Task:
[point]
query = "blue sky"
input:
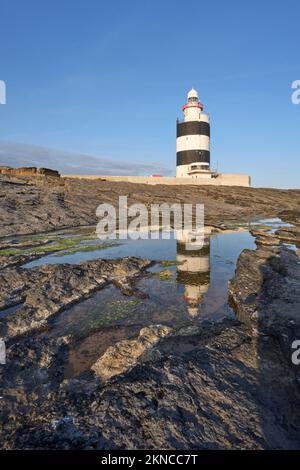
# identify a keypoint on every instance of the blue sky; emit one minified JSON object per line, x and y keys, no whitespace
{"x":89,"y":80}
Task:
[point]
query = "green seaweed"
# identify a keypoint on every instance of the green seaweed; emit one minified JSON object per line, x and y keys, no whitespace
{"x":82,"y":249}
{"x":165,"y":274}
{"x":56,"y":244}
{"x":115,"y":311}
{"x":36,"y":238}
{"x":167,"y":263}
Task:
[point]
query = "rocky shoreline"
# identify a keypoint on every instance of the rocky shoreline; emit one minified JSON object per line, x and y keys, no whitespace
{"x":42,"y":203}
{"x":216,"y":385}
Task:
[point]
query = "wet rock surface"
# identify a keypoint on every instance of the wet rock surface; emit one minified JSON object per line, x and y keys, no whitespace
{"x":219,"y":394}
{"x":219,"y":385}
{"x":291,"y":234}
{"x":47,"y":290}
{"x":212,"y":385}
{"x":125,"y":354}
{"x":266,"y":293}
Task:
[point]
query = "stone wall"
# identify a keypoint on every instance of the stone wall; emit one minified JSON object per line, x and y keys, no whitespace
{"x":221,"y":179}
{"x":28,"y":171}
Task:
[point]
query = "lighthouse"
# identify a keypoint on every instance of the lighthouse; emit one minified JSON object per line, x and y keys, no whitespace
{"x":193,"y":140}
{"x":193,"y":271}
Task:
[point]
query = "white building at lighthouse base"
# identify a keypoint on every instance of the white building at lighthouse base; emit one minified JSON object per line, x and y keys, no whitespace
{"x":216,"y":179}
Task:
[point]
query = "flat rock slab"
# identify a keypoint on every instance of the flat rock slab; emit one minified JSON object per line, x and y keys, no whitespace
{"x":49,"y":289}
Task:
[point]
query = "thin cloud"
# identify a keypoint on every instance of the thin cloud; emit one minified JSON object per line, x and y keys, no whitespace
{"x":20,"y":155}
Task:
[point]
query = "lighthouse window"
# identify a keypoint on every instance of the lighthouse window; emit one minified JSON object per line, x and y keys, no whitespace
{"x":193,"y":100}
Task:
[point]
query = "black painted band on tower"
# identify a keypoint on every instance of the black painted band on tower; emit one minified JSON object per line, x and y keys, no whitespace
{"x":193,"y":128}
{"x":192,"y":156}
{"x":204,"y":251}
{"x":193,"y":278}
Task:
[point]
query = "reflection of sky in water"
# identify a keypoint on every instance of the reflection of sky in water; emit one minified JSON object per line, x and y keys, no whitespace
{"x":197,"y":286}
{"x":150,"y":249}
{"x":272,"y":224}
{"x":205,"y":272}
{"x":194,"y":290}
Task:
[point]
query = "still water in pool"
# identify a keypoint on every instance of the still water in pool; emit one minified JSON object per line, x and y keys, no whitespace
{"x":184,"y":287}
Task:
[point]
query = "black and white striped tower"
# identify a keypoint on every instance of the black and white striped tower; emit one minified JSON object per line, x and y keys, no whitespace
{"x":193,"y":271}
{"x":193,"y":140}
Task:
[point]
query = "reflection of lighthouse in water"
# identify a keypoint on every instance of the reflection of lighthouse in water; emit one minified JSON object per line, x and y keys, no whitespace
{"x":193,"y":271}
